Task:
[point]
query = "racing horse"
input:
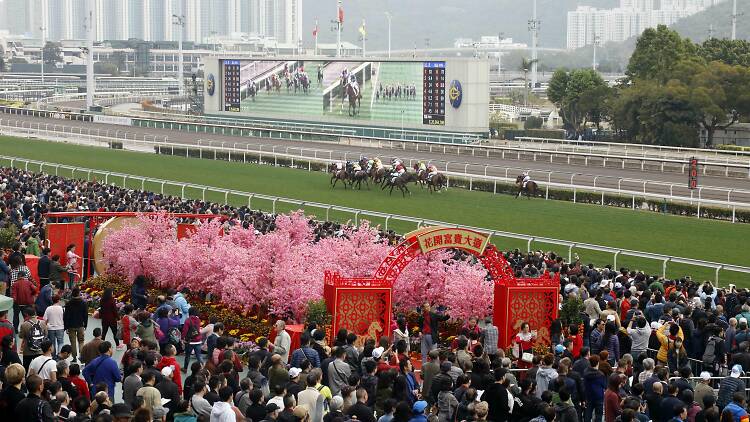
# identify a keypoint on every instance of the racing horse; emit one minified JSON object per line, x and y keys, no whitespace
{"x":252,"y":90}
{"x":421,"y":175}
{"x":399,"y":182}
{"x":304,"y":83}
{"x":530,"y":188}
{"x":377,"y":174}
{"x":357,"y":177}
{"x":273,"y":83}
{"x":437,"y":182}
{"x":355,"y":99}
{"x":337,"y":174}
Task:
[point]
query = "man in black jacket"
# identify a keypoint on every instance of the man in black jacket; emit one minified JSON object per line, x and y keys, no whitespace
{"x":169,"y":390}
{"x":428,"y":325}
{"x":75,"y":319}
{"x":498,"y":398}
{"x":43,"y":267}
{"x":360,"y":409}
{"x":33,"y":408}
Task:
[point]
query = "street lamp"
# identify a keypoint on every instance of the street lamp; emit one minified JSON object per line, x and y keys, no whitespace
{"x":180,"y":22}
{"x":389,"y":17}
{"x":402,"y":125}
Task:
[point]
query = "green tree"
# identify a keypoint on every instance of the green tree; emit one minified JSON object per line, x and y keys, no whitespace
{"x":656,"y":53}
{"x":52,"y":53}
{"x":720,"y":94}
{"x":580,"y":95}
{"x":525,"y":67}
{"x":731,"y":52}
{"x":533,"y":122}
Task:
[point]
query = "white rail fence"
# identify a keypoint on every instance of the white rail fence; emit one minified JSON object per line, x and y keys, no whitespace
{"x":477,"y":169}
{"x":359,"y":214}
{"x":145,"y":145}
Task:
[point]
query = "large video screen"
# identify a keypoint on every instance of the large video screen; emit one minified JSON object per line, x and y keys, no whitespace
{"x":397,"y":93}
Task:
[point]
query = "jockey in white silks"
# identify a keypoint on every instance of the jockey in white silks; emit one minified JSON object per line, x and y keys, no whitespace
{"x":377,"y":163}
{"x":356,"y":166}
{"x":432,"y":171}
{"x":355,"y":85}
{"x":398,"y":170}
{"x":526,"y":178}
{"x":339,"y":166}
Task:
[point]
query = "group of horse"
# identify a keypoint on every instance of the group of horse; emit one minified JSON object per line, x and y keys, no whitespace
{"x":384,"y":177}
{"x":388,"y":178}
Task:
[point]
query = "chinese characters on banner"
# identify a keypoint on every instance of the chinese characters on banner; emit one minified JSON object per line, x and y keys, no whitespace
{"x":431,"y":239}
{"x":433,"y":93}
{"x":232,"y":85}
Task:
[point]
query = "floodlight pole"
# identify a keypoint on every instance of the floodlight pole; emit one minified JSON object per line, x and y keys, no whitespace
{"x":180,"y":22}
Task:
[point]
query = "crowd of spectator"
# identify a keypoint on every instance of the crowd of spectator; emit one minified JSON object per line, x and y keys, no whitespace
{"x":637,"y":347}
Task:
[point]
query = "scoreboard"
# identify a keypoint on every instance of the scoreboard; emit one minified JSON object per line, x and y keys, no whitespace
{"x":232,"y":85}
{"x":433,"y":93}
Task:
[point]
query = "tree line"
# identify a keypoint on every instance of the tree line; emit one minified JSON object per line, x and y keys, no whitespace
{"x":673,"y":88}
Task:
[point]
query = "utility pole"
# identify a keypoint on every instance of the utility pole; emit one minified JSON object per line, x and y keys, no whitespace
{"x":90,"y":83}
{"x":711,"y":31}
{"x":500,"y":37}
{"x":180,"y":22}
{"x":44,"y":42}
{"x":534,"y":28}
{"x":363,"y":32}
{"x":389,"y":16}
{"x":734,"y":20}
{"x":594,"y":64}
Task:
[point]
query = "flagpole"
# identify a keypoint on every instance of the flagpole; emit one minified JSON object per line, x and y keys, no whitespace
{"x":338,"y":29}
{"x":316,"y":37}
{"x":364,"y":38}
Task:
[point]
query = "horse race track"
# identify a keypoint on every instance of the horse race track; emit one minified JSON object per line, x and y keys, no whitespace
{"x":637,"y":230}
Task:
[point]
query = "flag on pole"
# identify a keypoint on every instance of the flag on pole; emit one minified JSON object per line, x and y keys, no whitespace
{"x":341,"y":13}
{"x":362,"y":29}
{"x":315,"y":30}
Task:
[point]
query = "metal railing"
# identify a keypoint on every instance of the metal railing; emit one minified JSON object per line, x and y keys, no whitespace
{"x":359,"y":214}
{"x":460,"y":146}
{"x":685,"y":152}
{"x":636,"y":197}
{"x":663,"y":189}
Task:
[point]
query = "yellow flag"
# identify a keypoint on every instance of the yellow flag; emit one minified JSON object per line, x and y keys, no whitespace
{"x":362,"y":30}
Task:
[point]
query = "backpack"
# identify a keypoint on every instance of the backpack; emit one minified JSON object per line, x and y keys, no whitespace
{"x":326,"y":400}
{"x":709,"y":355}
{"x":174,"y":336}
{"x":34,"y":337}
{"x":192,"y":332}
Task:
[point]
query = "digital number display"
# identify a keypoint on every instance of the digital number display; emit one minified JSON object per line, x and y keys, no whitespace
{"x":433,"y":93}
{"x":693,"y":174}
{"x":232,"y":85}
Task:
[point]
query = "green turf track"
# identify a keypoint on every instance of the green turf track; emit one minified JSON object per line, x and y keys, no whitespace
{"x":637,"y":230}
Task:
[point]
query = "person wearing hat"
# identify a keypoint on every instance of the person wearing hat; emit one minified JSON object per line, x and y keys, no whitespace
{"x":418,"y":410}
{"x":379,"y":355}
{"x":6,"y":327}
{"x":730,"y":385}
{"x":293,"y":387}
{"x":168,"y":389}
{"x":272,"y":412}
{"x":703,"y":389}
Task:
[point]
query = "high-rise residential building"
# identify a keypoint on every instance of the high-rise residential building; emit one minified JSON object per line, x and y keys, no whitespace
{"x":152,"y":20}
{"x":588,"y":24}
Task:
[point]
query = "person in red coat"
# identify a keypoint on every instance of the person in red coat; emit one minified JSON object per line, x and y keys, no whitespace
{"x":169,"y":360}
{"x":24,"y":292}
{"x":109,"y":315}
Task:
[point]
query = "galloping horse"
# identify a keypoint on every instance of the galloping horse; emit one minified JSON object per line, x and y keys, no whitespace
{"x":399,"y":182}
{"x":437,"y":182}
{"x":529,"y":189}
{"x":252,"y":90}
{"x":359,"y":176}
{"x":304,"y":82}
{"x":355,"y":98}
{"x":337,"y":174}
{"x":274,"y":83}
{"x":421,"y":175}
{"x":377,"y":174}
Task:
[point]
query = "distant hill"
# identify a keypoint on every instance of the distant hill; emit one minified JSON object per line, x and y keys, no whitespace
{"x":442,"y":21}
{"x":696,"y":27}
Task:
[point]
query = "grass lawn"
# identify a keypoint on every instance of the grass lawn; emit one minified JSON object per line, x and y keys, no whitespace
{"x":637,"y":230}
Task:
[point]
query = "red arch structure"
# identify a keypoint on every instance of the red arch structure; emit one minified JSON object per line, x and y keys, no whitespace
{"x":363,"y":305}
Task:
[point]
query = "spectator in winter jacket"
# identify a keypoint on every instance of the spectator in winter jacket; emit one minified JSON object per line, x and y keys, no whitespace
{"x":44,"y":299}
{"x":170,"y":360}
{"x":182,"y":304}
{"x":138,"y":293}
{"x":545,"y":374}
{"x":564,"y":410}
{"x":729,"y":386}
{"x":191,"y":333}
{"x":594,"y":384}
{"x":56,"y":270}
{"x":30,"y":325}
{"x":34,"y":407}
{"x":667,"y":334}
{"x":24,"y":292}
{"x":165,"y":323}
{"x":75,"y":319}
{"x":103,"y":369}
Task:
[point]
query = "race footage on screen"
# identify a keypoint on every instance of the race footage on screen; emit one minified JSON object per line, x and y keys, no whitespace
{"x":349,"y":91}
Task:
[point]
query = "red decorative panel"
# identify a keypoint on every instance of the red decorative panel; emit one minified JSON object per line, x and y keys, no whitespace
{"x":61,"y":235}
{"x":185,"y":229}
{"x":366,"y":311}
{"x":536,"y":304}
